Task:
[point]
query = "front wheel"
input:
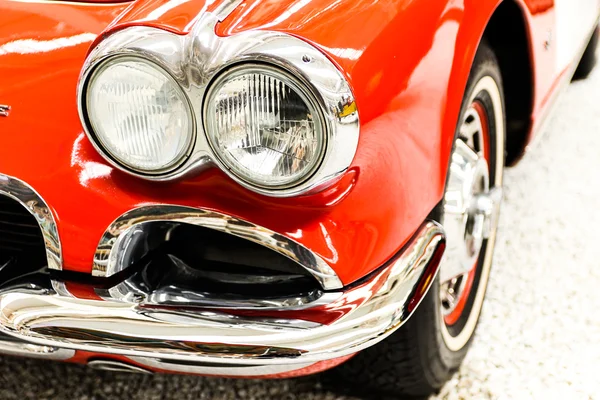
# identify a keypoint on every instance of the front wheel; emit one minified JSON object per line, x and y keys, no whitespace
{"x":422,"y":355}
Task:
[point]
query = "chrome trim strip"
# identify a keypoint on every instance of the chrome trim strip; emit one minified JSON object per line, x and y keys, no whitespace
{"x":175,"y":297}
{"x":363,"y":316}
{"x":116,"y":366}
{"x":196,"y":59}
{"x":115,"y":242}
{"x":246,"y":371}
{"x":11,"y":347}
{"x":20,"y":191}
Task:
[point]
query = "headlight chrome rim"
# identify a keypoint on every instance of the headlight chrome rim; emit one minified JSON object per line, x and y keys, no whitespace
{"x":100,"y":144}
{"x":296,"y":84}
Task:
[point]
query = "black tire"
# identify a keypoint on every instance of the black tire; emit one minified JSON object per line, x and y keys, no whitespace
{"x":416,"y":361}
{"x":588,"y":60}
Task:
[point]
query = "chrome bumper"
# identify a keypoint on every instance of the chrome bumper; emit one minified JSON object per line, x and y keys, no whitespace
{"x":363,"y":315}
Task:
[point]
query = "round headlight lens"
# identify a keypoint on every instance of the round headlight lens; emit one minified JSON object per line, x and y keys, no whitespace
{"x":139,"y":114}
{"x":264,"y":126}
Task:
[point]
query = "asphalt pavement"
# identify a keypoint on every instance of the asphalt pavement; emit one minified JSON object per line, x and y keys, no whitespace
{"x":539,"y":335}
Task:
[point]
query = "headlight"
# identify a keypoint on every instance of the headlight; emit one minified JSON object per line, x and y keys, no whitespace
{"x":264,"y":126}
{"x":269,"y":109}
{"x":139,"y":115}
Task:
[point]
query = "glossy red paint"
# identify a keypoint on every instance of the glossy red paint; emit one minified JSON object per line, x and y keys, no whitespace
{"x":81,"y":291}
{"x":83,"y":357}
{"x":86,"y":194}
{"x":407,"y":62}
{"x":408,"y":94}
{"x":177,"y":17}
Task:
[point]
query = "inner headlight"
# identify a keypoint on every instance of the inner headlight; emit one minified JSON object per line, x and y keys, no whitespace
{"x":264,"y":126}
{"x":139,"y":115}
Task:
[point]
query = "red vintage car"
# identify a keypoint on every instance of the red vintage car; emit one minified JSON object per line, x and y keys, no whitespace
{"x":266,"y":188}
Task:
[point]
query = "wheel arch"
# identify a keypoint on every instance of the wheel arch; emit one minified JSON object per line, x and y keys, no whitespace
{"x":506,"y":26}
{"x":518,"y":77}
{"x":508,"y":34}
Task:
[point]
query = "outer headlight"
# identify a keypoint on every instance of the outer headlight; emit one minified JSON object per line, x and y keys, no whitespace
{"x":264,"y":126}
{"x":139,"y":115}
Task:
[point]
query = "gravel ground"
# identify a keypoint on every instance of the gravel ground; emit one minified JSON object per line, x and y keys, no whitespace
{"x":539,"y":333}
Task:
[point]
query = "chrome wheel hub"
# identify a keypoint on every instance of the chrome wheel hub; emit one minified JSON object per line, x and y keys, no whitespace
{"x":470,"y":210}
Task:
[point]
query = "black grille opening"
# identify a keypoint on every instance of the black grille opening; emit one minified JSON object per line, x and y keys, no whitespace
{"x":21,"y":239}
{"x":206,"y":263}
{"x":22,"y":251}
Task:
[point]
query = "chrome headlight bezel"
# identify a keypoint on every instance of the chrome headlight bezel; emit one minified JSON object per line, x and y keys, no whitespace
{"x":198,"y":58}
{"x":100,"y":143}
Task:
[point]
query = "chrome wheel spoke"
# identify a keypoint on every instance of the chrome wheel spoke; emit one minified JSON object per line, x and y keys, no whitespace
{"x":450,"y":293}
{"x":471,"y":129}
{"x":487,"y":206}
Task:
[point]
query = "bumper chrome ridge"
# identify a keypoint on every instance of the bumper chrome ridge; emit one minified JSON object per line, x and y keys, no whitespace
{"x":14,"y":347}
{"x":363,"y":315}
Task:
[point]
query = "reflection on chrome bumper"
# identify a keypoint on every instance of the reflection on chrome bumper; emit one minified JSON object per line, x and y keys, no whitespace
{"x":365,"y":314}
{"x":15,"y":347}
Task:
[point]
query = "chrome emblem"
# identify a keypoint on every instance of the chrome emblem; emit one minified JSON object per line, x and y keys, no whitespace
{"x":4,"y":110}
